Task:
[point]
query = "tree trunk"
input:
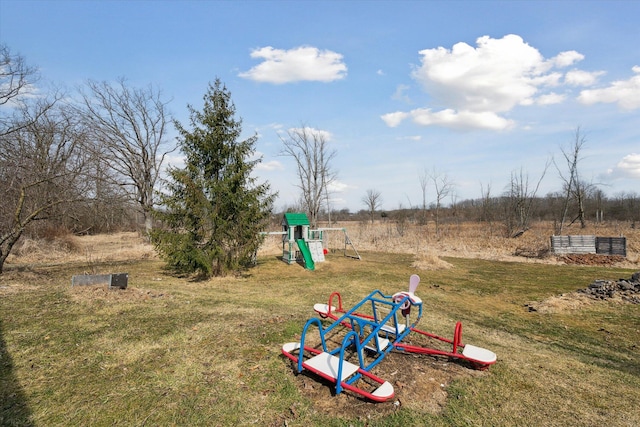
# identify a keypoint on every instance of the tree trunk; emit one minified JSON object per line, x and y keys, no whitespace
{"x":6,"y":246}
{"x":148,"y":225}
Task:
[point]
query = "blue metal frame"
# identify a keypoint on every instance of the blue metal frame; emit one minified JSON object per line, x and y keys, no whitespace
{"x":353,"y":337}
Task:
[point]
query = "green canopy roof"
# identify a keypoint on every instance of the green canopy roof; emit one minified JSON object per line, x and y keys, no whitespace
{"x":293,"y":218}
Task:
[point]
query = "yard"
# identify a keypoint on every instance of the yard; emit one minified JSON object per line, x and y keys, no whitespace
{"x":172,"y":351}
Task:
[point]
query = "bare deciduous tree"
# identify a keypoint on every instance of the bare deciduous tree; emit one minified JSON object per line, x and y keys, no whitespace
{"x":519,"y":198}
{"x":310,"y":150}
{"x":128,"y":125}
{"x":443,"y":186}
{"x":631,"y":206}
{"x":574,"y":189}
{"x":424,"y":182}
{"x":15,"y":75}
{"x":16,"y":80}
{"x":40,"y":166}
{"x":487,"y":203}
{"x":401,"y":219}
{"x":599,"y":200}
{"x":373,"y":201}
{"x":107,"y":206}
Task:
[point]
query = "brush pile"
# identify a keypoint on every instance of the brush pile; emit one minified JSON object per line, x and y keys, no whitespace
{"x":626,"y":289}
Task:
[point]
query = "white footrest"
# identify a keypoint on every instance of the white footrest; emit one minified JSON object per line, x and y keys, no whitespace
{"x":478,"y":353}
{"x":291,"y":346}
{"x":324,"y":308}
{"x":384,"y":391}
{"x":328,"y":365}
{"x":391,"y":329}
{"x":384,"y":343}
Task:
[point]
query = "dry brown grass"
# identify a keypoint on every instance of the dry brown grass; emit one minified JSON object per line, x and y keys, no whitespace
{"x":430,"y":261}
{"x":464,"y":240}
{"x":561,"y":303}
{"x":89,"y":249}
{"x":172,"y":351}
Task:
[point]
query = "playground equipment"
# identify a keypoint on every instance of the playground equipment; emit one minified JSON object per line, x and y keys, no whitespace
{"x":300,"y":243}
{"x":320,"y":233}
{"x":345,"y":351}
{"x":295,"y":229}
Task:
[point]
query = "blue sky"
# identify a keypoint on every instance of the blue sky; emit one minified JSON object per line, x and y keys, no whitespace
{"x":473,"y":90}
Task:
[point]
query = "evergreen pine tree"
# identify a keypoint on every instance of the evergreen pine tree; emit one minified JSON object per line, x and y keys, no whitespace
{"x":213,"y":208}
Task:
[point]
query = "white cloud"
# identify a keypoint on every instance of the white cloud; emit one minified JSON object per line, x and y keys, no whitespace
{"x":273,"y":126}
{"x":401,"y":94}
{"x":270,"y":128}
{"x":327,"y":136}
{"x":625,"y":93}
{"x":449,"y":118}
{"x":564,"y":59}
{"x":628,"y":167}
{"x":339,"y":187}
{"x":394,"y":119}
{"x":550,"y":98}
{"x":496,"y":76}
{"x":175,"y":160}
{"x":270,"y":166}
{"x":410,"y":138}
{"x":551,"y":79}
{"x":303,"y":63}
{"x":474,"y":86}
{"x":582,"y":78}
{"x":460,"y":120}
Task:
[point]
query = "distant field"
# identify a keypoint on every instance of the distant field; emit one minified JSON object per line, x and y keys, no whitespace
{"x":466,"y":240}
{"x":171,"y":351}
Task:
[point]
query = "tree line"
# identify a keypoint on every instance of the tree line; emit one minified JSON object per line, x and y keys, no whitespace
{"x":513,"y":210}
{"x":577,"y":201}
{"x":93,"y":161}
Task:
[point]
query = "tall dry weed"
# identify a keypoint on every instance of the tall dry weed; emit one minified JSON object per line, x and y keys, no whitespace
{"x":38,"y":250}
{"x":91,"y":250}
{"x":463,"y":239}
{"x":474,"y":240}
{"x":430,"y":261}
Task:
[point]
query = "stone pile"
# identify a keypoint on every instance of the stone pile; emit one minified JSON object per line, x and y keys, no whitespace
{"x":626,"y":289}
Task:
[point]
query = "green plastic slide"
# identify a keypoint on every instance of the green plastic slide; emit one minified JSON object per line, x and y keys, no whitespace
{"x":306,"y":255}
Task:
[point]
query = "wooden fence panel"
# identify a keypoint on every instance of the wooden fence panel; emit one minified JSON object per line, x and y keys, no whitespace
{"x":611,"y":246}
{"x":589,"y":245}
{"x":573,"y":244}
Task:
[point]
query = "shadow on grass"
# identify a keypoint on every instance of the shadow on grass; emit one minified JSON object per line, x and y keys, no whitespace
{"x":14,"y":410}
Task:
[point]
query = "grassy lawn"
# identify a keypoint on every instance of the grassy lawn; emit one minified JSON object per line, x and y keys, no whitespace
{"x":171,"y":351}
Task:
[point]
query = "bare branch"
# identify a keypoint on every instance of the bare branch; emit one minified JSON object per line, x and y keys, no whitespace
{"x":129,"y":127}
{"x":16,"y":77}
{"x":310,"y":150}
{"x":45,"y":163}
{"x":373,"y":202}
{"x":443,"y":186}
{"x":574,"y":188}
